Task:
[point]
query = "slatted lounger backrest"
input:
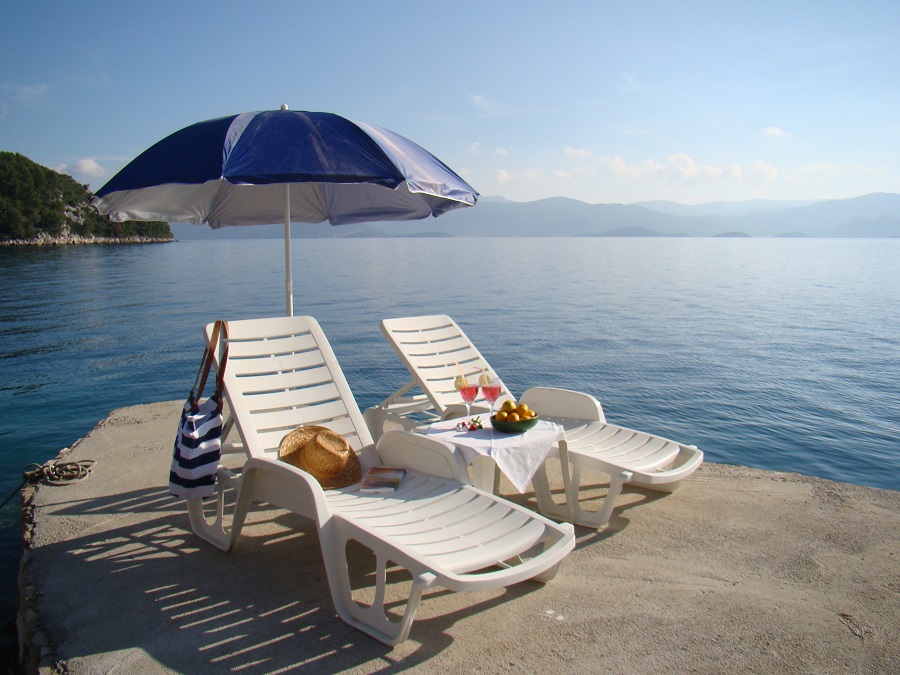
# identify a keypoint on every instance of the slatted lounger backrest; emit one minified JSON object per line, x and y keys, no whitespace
{"x":281,"y":374}
{"x":436,"y":350}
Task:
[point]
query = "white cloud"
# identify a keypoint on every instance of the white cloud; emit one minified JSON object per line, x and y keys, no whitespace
{"x":776,"y":132}
{"x":88,"y":167}
{"x":685,"y":166}
{"x":489,"y":108}
{"x":631,"y":83}
{"x":764,"y":171}
{"x":687,"y":179}
{"x":19,"y":94}
{"x":24,"y":93}
{"x":831,"y":169}
{"x":577,"y":152}
{"x":567,"y":176}
{"x":864,"y":170}
{"x":619,"y":166}
{"x":528,"y":175}
{"x":651,"y":167}
{"x":501,"y":152}
{"x":688,"y":169}
{"x":818,"y":169}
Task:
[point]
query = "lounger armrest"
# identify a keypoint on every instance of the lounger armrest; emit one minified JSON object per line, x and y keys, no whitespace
{"x":270,"y":480}
{"x":453,"y":411}
{"x":554,"y":402}
{"x":406,"y":450}
{"x":559,"y":541}
{"x":397,"y":395}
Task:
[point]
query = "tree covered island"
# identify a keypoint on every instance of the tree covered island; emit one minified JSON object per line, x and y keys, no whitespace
{"x":42,"y":206}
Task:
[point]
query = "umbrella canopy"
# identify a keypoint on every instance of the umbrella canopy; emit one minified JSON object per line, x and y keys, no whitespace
{"x":264,"y":167}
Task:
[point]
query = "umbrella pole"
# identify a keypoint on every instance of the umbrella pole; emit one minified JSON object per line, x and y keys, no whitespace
{"x":288,"y":283}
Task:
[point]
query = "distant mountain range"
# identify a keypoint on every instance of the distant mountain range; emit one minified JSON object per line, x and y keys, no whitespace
{"x":875,"y":215}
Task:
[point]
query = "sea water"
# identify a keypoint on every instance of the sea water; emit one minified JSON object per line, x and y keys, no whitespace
{"x":781,"y":354}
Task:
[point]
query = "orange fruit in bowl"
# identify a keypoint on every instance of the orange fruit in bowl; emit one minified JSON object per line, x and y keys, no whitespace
{"x":512,"y":417}
{"x":522,"y":409}
{"x":508,"y":406}
{"x":501,"y":416}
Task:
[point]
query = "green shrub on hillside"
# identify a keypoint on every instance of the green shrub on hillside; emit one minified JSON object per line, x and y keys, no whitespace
{"x":35,"y":199}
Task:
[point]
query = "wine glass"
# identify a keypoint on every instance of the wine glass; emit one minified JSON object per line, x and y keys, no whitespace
{"x":490,"y":389}
{"x":468,"y":390}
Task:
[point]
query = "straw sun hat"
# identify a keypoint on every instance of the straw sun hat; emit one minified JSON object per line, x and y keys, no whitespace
{"x":323,"y":453}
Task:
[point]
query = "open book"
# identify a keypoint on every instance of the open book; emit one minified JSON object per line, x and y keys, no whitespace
{"x":382,"y":479}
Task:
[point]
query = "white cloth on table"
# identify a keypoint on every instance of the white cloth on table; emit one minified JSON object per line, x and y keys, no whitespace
{"x":518,"y":456}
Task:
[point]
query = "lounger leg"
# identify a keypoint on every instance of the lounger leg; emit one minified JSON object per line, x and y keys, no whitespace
{"x":541,"y":484}
{"x":213,"y":532}
{"x":485,"y":475}
{"x":544,"y":496}
{"x":599,"y":518}
{"x":546,"y":576}
{"x":372,"y":620}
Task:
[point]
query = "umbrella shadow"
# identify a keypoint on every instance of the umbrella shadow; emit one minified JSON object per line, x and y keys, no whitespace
{"x":154,"y":500}
{"x":152,"y":586}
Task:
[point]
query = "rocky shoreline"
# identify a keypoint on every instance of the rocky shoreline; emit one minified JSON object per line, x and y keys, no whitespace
{"x":34,"y":649}
{"x":78,"y":240}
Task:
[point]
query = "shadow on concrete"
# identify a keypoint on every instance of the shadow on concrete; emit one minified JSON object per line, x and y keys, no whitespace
{"x":264,"y":607}
{"x":591,"y":498}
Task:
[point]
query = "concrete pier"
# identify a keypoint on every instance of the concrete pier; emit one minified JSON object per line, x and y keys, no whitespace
{"x":739,"y":570}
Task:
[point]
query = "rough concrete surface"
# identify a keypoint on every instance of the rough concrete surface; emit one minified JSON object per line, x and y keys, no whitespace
{"x":739,"y":570}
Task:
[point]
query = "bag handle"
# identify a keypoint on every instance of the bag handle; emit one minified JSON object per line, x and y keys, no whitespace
{"x":220,"y":375}
{"x":208,"y":359}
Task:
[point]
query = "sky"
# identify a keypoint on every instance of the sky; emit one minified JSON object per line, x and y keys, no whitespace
{"x":602,"y":101}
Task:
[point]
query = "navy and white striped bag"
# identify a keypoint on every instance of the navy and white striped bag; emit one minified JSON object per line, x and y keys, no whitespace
{"x":198,"y":444}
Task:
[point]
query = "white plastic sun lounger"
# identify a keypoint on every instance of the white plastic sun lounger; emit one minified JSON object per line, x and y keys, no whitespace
{"x":429,"y":347}
{"x":435,"y":351}
{"x":282,"y":373}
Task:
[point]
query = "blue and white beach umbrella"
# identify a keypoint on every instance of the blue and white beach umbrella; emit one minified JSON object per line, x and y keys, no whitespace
{"x":264,"y":167}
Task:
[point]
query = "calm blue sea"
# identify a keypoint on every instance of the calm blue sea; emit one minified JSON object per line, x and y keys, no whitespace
{"x":774,"y":353}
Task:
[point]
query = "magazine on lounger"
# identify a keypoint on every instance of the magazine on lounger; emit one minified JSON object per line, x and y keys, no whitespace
{"x":382,"y":479}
